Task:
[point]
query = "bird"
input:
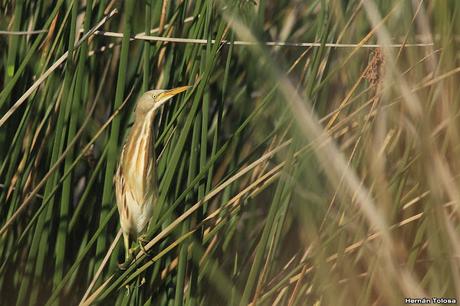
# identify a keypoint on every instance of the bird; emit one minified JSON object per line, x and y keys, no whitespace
{"x":135,"y":179}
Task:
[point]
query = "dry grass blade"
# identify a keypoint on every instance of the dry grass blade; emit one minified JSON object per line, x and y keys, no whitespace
{"x":101,"y":267}
{"x":32,"y":32}
{"x":253,"y":43}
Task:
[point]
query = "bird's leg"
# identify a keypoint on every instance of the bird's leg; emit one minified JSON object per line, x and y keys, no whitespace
{"x":128,"y":253}
{"x":126,"y":243}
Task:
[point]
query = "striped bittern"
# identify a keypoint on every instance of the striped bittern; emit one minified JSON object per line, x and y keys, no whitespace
{"x":135,"y":179}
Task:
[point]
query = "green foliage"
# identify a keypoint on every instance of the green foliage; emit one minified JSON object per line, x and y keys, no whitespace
{"x":288,"y":175}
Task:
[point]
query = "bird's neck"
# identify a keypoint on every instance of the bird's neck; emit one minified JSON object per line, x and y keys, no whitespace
{"x":142,"y":126}
{"x":140,"y":138}
{"x":141,"y":116}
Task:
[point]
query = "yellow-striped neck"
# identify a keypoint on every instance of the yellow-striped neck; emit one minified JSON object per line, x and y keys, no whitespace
{"x":138,"y":157}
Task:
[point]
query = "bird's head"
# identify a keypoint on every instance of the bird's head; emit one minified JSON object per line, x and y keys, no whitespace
{"x":153,"y":99}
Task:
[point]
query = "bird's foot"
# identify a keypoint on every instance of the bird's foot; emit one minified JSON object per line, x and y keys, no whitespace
{"x":142,"y":241}
{"x":125,"y":265}
{"x":128,"y":260}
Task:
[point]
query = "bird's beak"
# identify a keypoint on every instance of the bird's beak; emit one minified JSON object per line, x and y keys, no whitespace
{"x":166,"y":95}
